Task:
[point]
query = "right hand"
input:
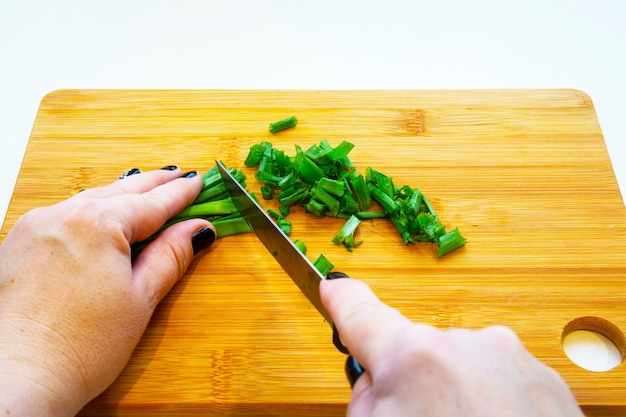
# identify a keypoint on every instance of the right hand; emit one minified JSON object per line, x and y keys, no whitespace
{"x":417,"y":370}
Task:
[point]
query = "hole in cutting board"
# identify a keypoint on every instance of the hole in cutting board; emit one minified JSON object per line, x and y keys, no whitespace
{"x":594,"y":344}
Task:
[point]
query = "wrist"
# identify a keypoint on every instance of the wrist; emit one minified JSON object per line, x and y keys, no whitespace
{"x":20,"y":396}
{"x":34,"y":382}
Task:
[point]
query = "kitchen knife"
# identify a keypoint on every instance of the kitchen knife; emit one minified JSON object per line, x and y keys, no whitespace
{"x":295,"y":264}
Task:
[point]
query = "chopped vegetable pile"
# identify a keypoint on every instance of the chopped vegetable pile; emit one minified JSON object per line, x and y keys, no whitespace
{"x":323,"y":180}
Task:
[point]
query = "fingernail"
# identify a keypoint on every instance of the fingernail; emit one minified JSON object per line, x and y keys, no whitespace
{"x":202,"y":239}
{"x":130,"y":172}
{"x":169,"y":168}
{"x":189,"y":174}
{"x":336,"y":275}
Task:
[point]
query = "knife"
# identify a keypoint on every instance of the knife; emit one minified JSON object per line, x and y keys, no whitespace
{"x":290,"y":258}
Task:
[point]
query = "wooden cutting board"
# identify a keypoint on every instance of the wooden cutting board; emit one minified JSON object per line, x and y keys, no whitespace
{"x":525,"y":175}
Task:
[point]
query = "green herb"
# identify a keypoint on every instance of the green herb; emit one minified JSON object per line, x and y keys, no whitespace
{"x":323,"y":180}
{"x":323,"y":265}
{"x":210,"y":208}
{"x":450,"y":241}
{"x":345,"y":235}
{"x":267,"y":192}
{"x":300,"y":245}
{"x":283,"y":224}
{"x":364,"y":215}
{"x":283,"y":124}
{"x":214,"y":204}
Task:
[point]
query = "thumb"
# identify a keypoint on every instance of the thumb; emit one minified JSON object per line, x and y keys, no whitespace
{"x":160,"y":265}
{"x":367,"y":326}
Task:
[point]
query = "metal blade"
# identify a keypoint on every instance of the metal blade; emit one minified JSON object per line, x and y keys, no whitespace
{"x":295,"y":264}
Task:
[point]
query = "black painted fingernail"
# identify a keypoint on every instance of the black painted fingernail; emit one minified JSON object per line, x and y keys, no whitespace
{"x":189,"y":174}
{"x":336,"y":275}
{"x":130,"y":172}
{"x":169,"y":168}
{"x":202,"y":239}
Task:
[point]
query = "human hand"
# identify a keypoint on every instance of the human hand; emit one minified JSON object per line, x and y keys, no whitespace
{"x":72,"y":305}
{"x":417,"y":370}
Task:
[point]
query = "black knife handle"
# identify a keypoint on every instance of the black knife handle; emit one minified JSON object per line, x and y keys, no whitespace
{"x":353,"y":370}
{"x":337,"y":342}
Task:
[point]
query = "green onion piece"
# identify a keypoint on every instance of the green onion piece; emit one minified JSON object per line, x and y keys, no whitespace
{"x":287,"y":181}
{"x":349,"y":204}
{"x":308,"y":171}
{"x":231,"y":226}
{"x":450,"y":241}
{"x":265,"y":172}
{"x":429,"y":206}
{"x":329,"y":155}
{"x":285,"y":225}
{"x":383,"y":199}
{"x":364,"y":215}
{"x":430,"y":226}
{"x":345,"y":235}
{"x":401,"y":222}
{"x":213,"y":187}
{"x":334,"y":187}
{"x":328,"y":200}
{"x":415,"y":202}
{"x":211,"y":208}
{"x":361,"y":192}
{"x":292,"y":195}
{"x":254,"y":155}
{"x":276,"y":215}
{"x":315,"y":207}
{"x":284,"y":210}
{"x":283,"y":124}
{"x":323,"y":265}
{"x":267,"y":192}
{"x":300,"y":245}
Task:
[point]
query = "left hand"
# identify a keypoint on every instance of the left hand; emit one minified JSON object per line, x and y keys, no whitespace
{"x":72,"y":305}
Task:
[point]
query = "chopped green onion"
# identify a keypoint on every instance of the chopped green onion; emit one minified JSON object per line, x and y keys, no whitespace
{"x":364,"y":215}
{"x":210,"y":208}
{"x":315,"y":207}
{"x":267,"y":192}
{"x":331,"y":203}
{"x":283,"y":124}
{"x":362,"y":194}
{"x":334,"y":187}
{"x":324,"y":181}
{"x":300,"y":245}
{"x":323,"y":265}
{"x":450,"y":241}
{"x":345,"y":235}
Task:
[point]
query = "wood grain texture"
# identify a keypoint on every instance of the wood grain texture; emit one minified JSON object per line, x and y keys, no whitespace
{"x":524,"y":174}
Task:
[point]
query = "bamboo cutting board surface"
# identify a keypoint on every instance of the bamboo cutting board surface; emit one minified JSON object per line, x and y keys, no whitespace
{"x":525,"y":175}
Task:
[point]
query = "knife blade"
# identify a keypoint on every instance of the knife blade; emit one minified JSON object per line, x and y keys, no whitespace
{"x":290,"y":258}
{"x":286,"y":253}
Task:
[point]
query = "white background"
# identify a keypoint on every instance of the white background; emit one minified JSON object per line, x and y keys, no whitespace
{"x":319,"y":44}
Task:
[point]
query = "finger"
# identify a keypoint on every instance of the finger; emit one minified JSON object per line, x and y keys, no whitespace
{"x":164,"y":261}
{"x":143,"y":214}
{"x":363,"y":400}
{"x":134,"y":184}
{"x":367,"y":326}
